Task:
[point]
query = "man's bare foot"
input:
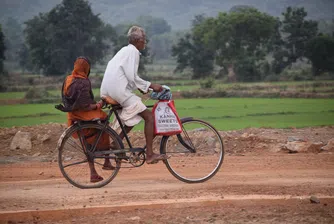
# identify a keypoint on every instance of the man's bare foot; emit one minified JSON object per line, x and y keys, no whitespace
{"x":155,"y":158}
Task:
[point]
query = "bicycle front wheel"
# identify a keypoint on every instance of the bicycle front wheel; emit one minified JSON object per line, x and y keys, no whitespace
{"x":75,"y":164}
{"x":196,"y":154}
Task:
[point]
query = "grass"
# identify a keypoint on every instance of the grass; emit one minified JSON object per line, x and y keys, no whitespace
{"x":12,"y":95}
{"x":20,"y":95}
{"x":27,"y":114}
{"x":223,"y":113}
{"x":238,"y":113}
{"x":96,"y":92}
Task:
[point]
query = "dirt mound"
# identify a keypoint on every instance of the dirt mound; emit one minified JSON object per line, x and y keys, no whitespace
{"x":252,"y":140}
{"x":264,"y":140}
{"x":44,"y":140}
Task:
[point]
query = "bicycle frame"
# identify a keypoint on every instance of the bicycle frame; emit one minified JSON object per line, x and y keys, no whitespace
{"x":93,"y":136}
{"x":113,"y":110}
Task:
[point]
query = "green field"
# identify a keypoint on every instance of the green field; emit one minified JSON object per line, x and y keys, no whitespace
{"x":12,"y":95}
{"x":223,"y":113}
{"x":96,"y":92}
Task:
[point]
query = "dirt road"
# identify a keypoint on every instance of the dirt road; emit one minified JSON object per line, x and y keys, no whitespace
{"x":271,"y":188}
{"x":259,"y":182}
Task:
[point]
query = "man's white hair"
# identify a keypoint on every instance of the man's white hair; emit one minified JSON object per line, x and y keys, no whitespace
{"x":135,"y":33}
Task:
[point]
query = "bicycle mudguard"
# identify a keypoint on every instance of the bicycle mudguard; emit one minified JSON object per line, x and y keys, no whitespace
{"x":184,"y":119}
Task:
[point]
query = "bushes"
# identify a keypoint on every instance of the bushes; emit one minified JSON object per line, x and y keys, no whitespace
{"x":266,"y":90}
{"x":271,"y":78}
{"x":36,"y":93}
{"x":204,"y":93}
{"x":296,"y":75}
{"x":208,"y":83}
{"x":40,"y":95}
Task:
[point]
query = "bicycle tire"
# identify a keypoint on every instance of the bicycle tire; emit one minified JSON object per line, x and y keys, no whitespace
{"x":70,"y":148}
{"x":199,"y":166}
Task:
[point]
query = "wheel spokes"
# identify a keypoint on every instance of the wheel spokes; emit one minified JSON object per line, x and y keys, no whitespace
{"x":76,"y":163}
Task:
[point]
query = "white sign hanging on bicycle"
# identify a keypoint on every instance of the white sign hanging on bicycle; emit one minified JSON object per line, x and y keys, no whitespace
{"x":166,"y":120}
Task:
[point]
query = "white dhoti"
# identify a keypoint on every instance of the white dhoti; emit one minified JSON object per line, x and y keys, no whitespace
{"x":129,"y":113}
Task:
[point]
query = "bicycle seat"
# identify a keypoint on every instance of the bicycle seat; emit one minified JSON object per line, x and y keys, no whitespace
{"x":109,"y":100}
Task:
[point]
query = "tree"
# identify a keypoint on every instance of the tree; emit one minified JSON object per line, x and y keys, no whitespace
{"x":69,"y":30}
{"x":161,"y":45}
{"x":326,"y":27}
{"x":14,"y":38}
{"x":236,"y":41}
{"x":240,"y":40}
{"x":158,"y":34}
{"x":25,"y":60}
{"x":296,"y":32}
{"x":2,"y":51}
{"x":192,"y":52}
{"x":320,"y":51}
{"x":153,"y":25}
{"x":122,"y":28}
{"x":239,"y":8}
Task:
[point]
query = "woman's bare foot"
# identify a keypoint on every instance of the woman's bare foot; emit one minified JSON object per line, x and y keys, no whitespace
{"x":95,"y":178}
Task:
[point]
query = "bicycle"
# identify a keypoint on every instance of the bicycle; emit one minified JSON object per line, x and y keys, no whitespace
{"x":196,"y":154}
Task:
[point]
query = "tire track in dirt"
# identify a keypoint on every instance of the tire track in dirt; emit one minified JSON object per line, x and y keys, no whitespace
{"x":73,"y":212}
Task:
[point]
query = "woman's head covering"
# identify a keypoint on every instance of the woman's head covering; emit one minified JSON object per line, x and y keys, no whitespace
{"x":81,"y":68}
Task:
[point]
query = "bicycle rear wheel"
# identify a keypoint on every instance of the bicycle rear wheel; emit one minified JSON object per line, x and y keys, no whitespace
{"x":73,"y":159}
{"x":196,"y":154}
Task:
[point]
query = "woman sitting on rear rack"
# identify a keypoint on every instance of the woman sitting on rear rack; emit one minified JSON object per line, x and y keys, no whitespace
{"x":78,"y":100}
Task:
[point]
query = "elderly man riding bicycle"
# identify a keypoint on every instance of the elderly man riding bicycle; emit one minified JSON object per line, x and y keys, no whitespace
{"x":121,"y":79}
